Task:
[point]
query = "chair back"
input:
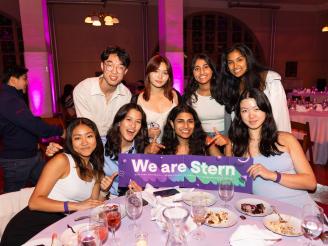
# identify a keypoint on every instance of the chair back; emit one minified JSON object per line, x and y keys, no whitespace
{"x":304,"y":129}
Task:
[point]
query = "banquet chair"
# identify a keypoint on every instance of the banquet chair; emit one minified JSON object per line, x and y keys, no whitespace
{"x":11,"y":203}
{"x":306,"y":143}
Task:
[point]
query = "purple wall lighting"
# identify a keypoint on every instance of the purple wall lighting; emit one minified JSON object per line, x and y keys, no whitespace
{"x":176,"y":59}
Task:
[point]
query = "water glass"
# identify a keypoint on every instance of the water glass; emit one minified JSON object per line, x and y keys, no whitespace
{"x":88,"y":236}
{"x":198,"y":213}
{"x":133,"y":206}
{"x":312,"y":221}
{"x":226,"y":191}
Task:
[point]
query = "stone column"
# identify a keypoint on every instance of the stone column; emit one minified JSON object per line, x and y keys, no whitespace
{"x":170,"y":19}
{"x":38,"y":57}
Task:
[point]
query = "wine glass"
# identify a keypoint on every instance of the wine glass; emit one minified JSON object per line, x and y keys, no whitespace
{"x":113,"y":214}
{"x":226,"y":191}
{"x":133,"y":206}
{"x":198,"y":213}
{"x":312,"y":221}
{"x":98,"y":219}
{"x":154,"y":130}
{"x":88,"y":236}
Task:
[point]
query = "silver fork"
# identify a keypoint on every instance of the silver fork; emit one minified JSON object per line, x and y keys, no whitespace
{"x":281,"y":220}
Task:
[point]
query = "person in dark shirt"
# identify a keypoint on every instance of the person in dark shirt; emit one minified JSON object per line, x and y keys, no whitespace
{"x":20,"y":157}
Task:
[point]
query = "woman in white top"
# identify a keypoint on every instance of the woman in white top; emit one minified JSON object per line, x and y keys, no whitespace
{"x":159,"y":97}
{"x":240,"y":71}
{"x":69,"y":182}
{"x":201,"y":93}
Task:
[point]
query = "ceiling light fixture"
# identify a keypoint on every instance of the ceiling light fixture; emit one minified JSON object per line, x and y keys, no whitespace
{"x":325,"y":28}
{"x":101,"y":18}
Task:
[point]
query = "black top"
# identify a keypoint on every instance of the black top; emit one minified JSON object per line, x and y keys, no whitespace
{"x":19,"y":129}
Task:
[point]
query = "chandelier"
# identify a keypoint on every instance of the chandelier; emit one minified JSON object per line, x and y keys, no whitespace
{"x":101,"y":18}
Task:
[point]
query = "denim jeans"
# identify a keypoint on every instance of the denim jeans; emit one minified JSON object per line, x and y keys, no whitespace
{"x":17,"y":172}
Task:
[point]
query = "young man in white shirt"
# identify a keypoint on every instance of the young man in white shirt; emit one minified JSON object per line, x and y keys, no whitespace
{"x":99,"y":98}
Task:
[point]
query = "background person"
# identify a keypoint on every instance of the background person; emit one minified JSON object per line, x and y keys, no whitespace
{"x":20,"y":131}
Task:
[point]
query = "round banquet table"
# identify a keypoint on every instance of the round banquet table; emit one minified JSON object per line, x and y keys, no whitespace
{"x":214,"y":236}
{"x":318,"y":131}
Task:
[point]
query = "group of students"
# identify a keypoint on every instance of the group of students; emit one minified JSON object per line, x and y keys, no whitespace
{"x":234,"y":107}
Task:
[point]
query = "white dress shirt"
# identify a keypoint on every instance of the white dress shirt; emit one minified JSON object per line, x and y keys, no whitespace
{"x":90,"y":102}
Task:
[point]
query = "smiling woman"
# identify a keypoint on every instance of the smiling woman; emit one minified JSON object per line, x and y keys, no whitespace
{"x":128,"y":134}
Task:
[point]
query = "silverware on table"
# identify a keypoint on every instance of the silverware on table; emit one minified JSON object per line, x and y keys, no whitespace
{"x":281,"y":220}
{"x":82,"y":218}
{"x":70,"y":227}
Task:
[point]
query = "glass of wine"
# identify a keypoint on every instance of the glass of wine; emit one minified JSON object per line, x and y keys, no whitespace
{"x":133,"y":206}
{"x":88,"y":236}
{"x":113,"y":214}
{"x":198,"y":213}
{"x":312,"y":221}
{"x":154,"y":130}
{"x":226,"y":191}
{"x":98,"y":219}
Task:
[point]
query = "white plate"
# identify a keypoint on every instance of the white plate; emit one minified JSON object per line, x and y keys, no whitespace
{"x":230,"y":220}
{"x":292,"y":228}
{"x":254,"y":201}
{"x":39,"y":241}
{"x":189,"y":196}
{"x":68,"y":238}
{"x":97,"y":209}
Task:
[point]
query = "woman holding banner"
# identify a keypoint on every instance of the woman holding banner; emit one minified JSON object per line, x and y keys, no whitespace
{"x":280,"y":170}
{"x":184,"y":135}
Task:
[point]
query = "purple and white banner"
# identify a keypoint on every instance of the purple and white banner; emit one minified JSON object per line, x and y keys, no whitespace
{"x":204,"y":172}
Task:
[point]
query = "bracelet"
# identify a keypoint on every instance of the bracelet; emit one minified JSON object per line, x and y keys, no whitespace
{"x":66,"y":210}
{"x":278,"y":177}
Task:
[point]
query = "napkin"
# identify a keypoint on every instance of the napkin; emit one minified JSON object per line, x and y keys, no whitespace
{"x":251,"y":235}
{"x":301,"y":108}
{"x":160,"y":203}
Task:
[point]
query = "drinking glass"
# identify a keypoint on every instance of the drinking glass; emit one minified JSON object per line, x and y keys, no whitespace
{"x":88,"y":236}
{"x":154,"y":130}
{"x":226,"y":191}
{"x":198,"y":213}
{"x":312,"y":221}
{"x":98,"y":219}
{"x":133,"y":206}
{"x":113,"y":214}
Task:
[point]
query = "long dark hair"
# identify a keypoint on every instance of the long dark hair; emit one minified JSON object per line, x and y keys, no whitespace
{"x":238,"y":132}
{"x":229,"y":84}
{"x":114,"y":139}
{"x":152,"y":65}
{"x":197,"y":139}
{"x":190,"y":95}
{"x":96,"y":157}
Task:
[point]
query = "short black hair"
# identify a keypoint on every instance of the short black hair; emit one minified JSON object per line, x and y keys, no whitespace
{"x":15,"y":71}
{"x":121,"y":53}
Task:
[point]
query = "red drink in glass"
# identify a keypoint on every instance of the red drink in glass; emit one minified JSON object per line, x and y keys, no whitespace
{"x":113,"y":219}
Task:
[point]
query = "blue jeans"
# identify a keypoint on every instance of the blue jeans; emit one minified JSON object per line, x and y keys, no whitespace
{"x":17,"y":172}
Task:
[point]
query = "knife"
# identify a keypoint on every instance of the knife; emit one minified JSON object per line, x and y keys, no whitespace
{"x":82,"y":218}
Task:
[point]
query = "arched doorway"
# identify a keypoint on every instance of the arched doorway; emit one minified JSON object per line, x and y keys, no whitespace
{"x":212,"y":33}
{"x":11,"y":43}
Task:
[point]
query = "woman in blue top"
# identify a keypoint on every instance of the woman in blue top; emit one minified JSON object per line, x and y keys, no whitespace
{"x":280,"y":170}
{"x":128,"y":134}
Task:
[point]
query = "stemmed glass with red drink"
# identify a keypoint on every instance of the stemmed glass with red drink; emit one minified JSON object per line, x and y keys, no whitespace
{"x":113,"y":213}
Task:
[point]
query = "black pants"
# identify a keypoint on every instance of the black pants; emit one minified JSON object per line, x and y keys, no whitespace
{"x":26,"y":224}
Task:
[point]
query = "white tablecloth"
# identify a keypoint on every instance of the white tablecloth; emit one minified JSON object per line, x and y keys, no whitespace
{"x":319,"y":132}
{"x":214,"y":236}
